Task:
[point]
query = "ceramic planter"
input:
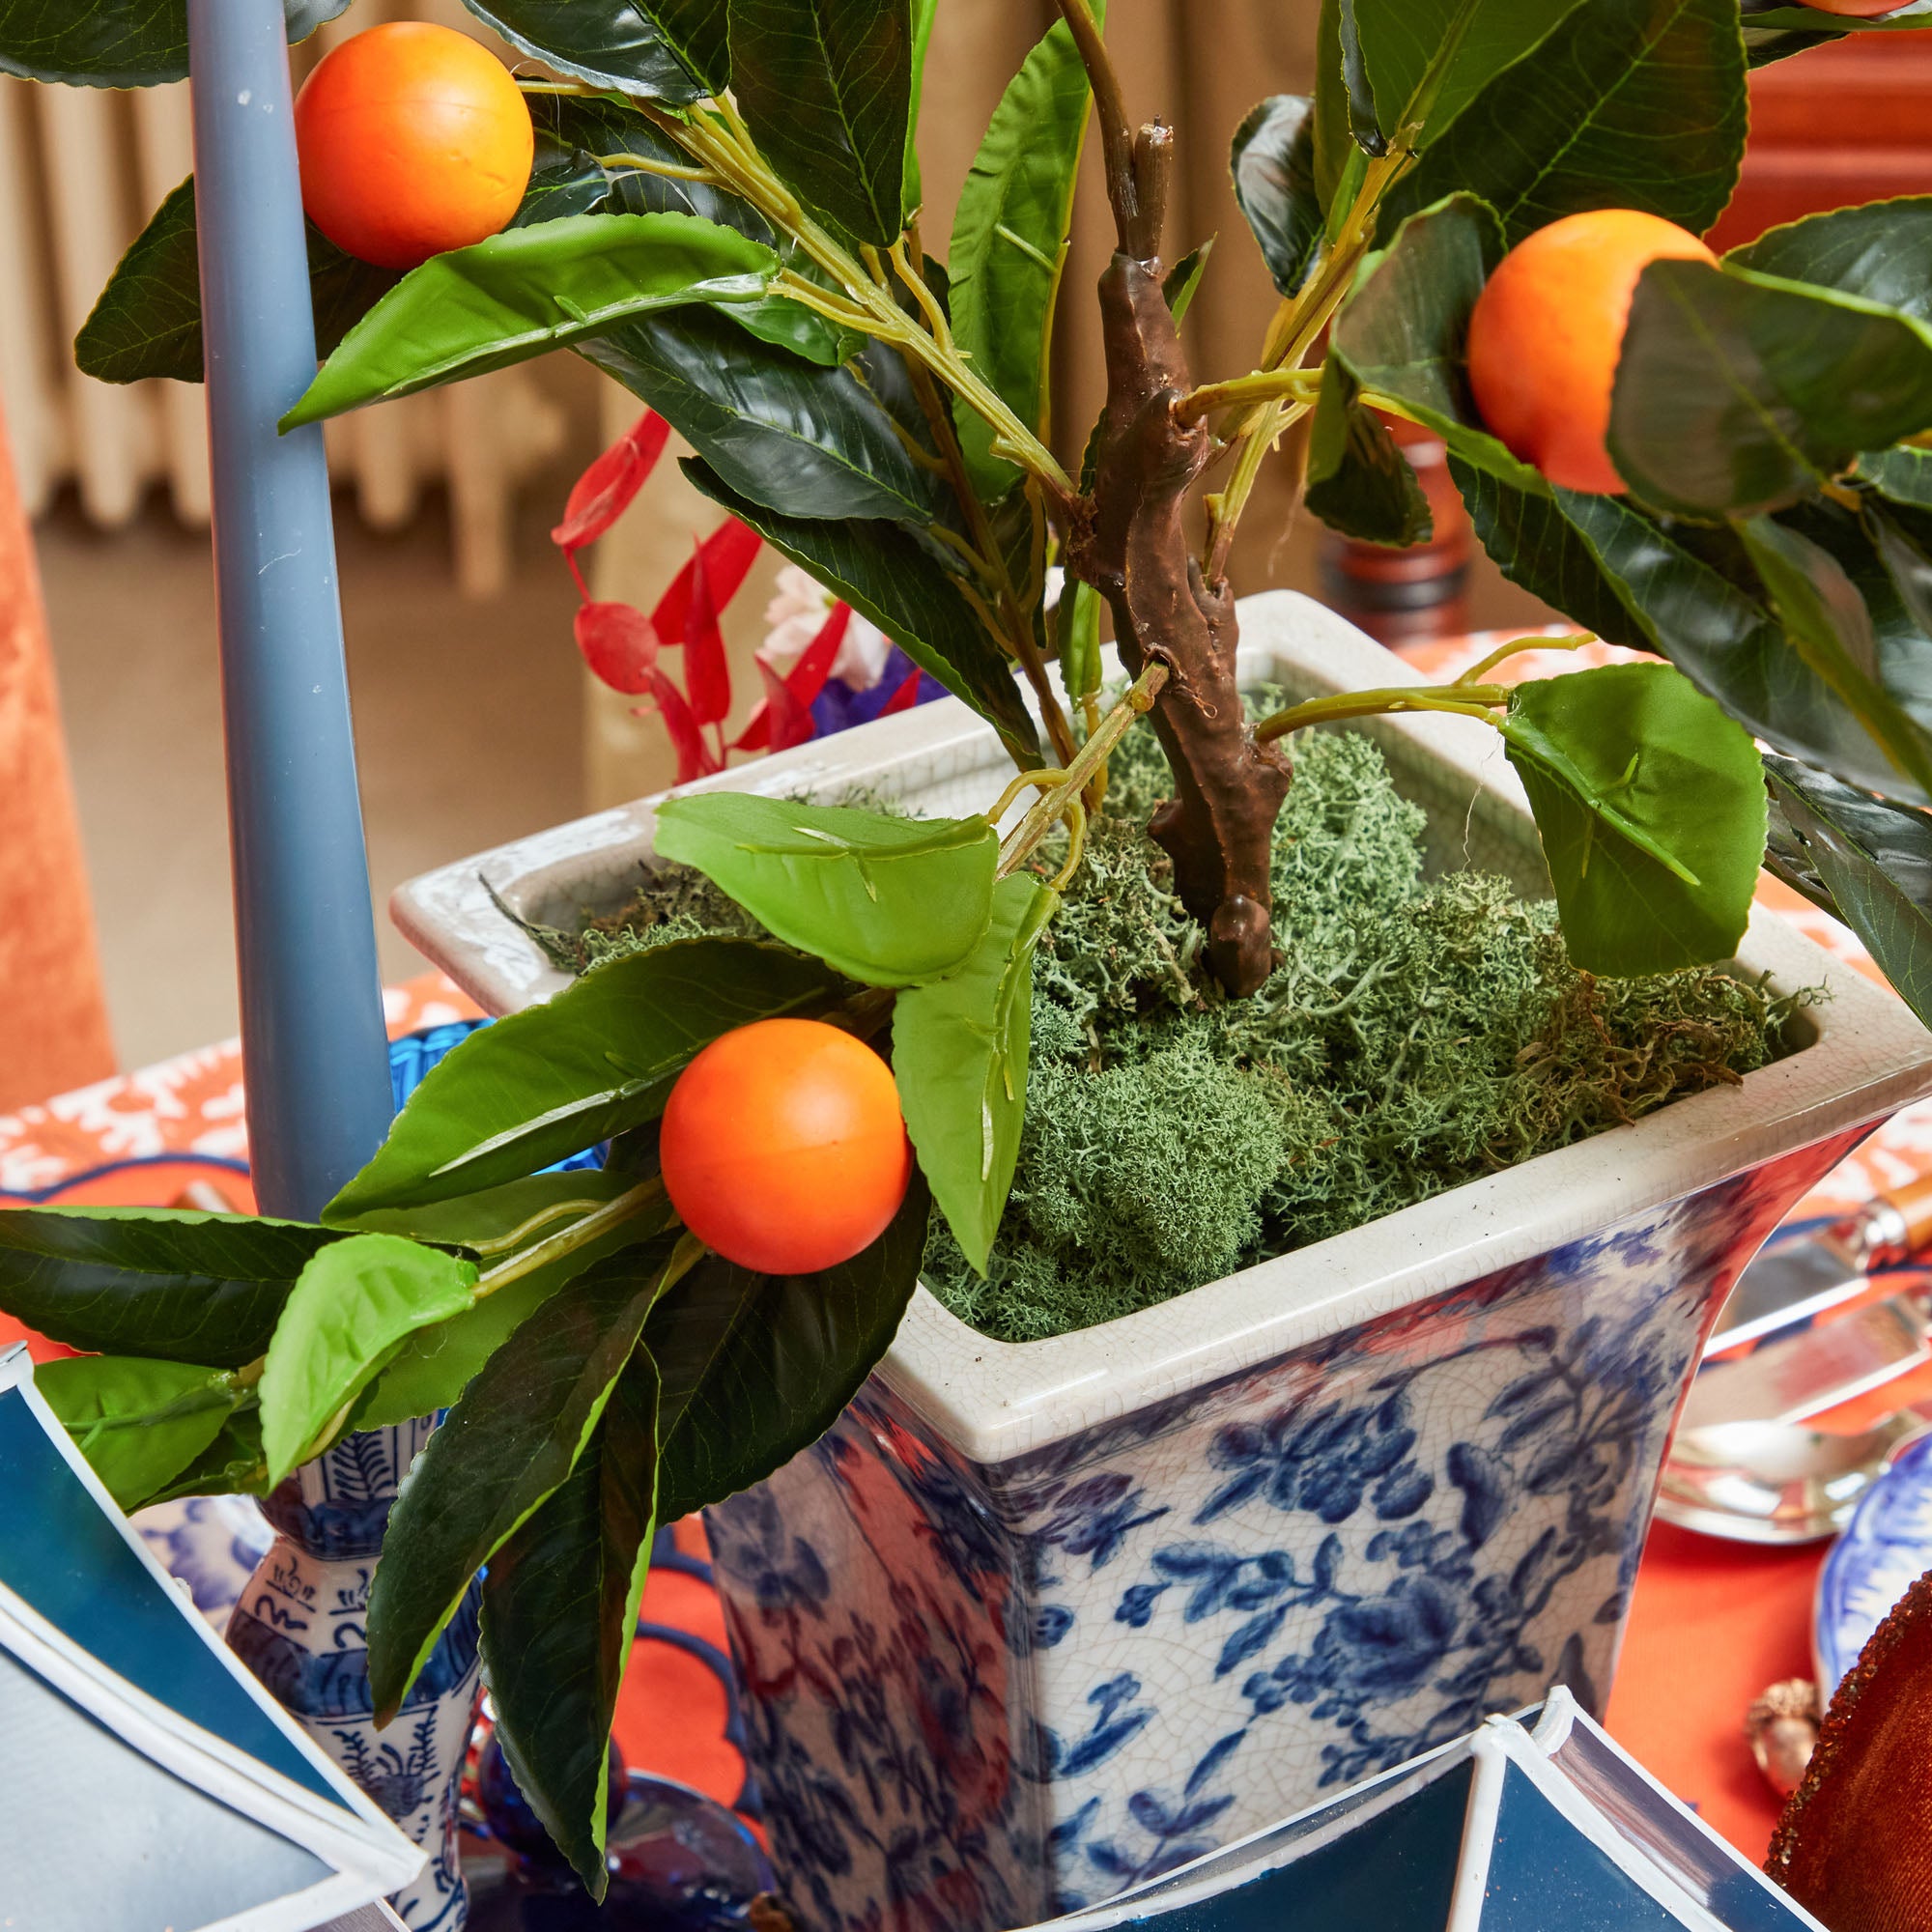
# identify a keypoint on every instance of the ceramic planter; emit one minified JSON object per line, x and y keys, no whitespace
{"x":1036,"y":1622}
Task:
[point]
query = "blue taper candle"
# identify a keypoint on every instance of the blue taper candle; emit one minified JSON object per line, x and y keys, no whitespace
{"x":314,"y":1050}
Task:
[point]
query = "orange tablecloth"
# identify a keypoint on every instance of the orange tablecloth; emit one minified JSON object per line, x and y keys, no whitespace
{"x":1711,"y":1625}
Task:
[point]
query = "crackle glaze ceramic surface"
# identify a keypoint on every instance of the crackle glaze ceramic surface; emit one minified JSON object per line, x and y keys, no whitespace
{"x":1036,"y":1622}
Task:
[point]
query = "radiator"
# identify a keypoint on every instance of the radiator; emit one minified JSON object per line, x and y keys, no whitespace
{"x":80,"y":170}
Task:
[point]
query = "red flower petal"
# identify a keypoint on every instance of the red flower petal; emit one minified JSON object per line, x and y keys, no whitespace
{"x":905,"y":696}
{"x":603,"y":493}
{"x":707,"y":675}
{"x":696,"y":759}
{"x":618,"y":643}
{"x":729,"y":553}
{"x":806,"y":677}
{"x":781,"y":722}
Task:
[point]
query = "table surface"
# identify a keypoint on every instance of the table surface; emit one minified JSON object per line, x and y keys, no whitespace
{"x":1711,"y":1624}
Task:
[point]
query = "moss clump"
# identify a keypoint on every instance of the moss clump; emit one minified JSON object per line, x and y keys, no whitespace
{"x":674,"y":902}
{"x":1416,"y":1035}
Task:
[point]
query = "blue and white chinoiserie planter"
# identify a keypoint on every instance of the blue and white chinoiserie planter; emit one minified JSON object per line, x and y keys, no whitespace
{"x":1034,"y":1624}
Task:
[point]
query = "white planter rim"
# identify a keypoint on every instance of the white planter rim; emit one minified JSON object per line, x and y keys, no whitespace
{"x":998,"y":1400}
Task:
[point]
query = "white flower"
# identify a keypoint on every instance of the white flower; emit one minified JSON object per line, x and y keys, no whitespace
{"x":796,"y":614}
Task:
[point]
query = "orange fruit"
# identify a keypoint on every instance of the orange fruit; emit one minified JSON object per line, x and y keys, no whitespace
{"x":782,"y":1147}
{"x":413,"y":139}
{"x":1546,"y":332}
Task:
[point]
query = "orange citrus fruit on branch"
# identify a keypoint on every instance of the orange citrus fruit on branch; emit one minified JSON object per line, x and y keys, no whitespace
{"x":782,"y":1147}
{"x":1546,"y":332}
{"x":413,"y":139}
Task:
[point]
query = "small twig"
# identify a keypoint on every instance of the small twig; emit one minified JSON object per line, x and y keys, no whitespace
{"x":1110,"y":108}
{"x":647,"y":165}
{"x":1473,"y":701}
{"x":1262,"y":386}
{"x":1044,"y":779}
{"x":1076,"y":841}
{"x":611,"y":1214}
{"x":1136,"y":703}
{"x":1515,"y":647}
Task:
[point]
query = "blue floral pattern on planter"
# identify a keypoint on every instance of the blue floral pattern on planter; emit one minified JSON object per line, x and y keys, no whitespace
{"x":976,"y":1696}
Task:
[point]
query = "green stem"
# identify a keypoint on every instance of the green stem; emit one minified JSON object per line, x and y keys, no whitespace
{"x":1471,"y":700}
{"x":1092,"y":756}
{"x":592,"y":1227}
{"x":1515,"y":647}
{"x":1262,"y":385}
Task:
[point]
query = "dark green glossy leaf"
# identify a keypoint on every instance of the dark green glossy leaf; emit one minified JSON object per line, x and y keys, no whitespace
{"x":1404,"y":331}
{"x":1903,"y":475}
{"x":960,"y":1056}
{"x":148,"y":319}
{"x":516,"y":1435}
{"x":660,"y":49}
{"x":1880,"y":252}
{"x":825,"y":87}
{"x":560,"y":1609}
{"x":890,"y":902}
{"x":1182,"y":281}
{"x":1736,"y":392}
{"x":886,"y":575}
{"x":433,"y":1366}
{"x":151,"y":1281}
{"x":526,"y":292}
{"x":1274,"y":164}
{"x":1077,"y":622}
{"x":1359,"y":481}
{"x":798,"y":440}
{"x":1865,"y":861}
{"x":1829,"y":624}
{"x":1775,"y":32}
{"x":1650,"y":805}
{"x":599,"y":1058}
{"x":1402,"y":41}
{"x":1627,"y":103}
{"x":1686,"y":594}
{"x":1010,"y":236}
{"x":233,"y":1464}
{"x":1335,"y":157}
{"x":117,"y":42}
{"x":139,"y":1422}
{"x":350,"y":1309}
{"x":1364,"y":124}
{"x":757,"y":1367}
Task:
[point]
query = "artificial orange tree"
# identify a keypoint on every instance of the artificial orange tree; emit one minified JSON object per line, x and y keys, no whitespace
{"x":1483,"y":221}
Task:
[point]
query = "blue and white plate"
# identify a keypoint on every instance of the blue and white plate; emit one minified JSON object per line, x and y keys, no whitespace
{"x":1886,"y":1548}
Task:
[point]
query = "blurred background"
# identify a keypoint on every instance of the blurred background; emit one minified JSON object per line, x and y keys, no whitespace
{"x":475,"y":721}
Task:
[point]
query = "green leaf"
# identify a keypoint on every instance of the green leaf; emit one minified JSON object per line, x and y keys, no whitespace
{"x":1866,"y":862}
{"x":433,"y":1366}
{"x":138,"y":1422}
{"x":352,"y":1308}
{"x":233,"y":1464}
{"x":1077,"y":622}
{"x":1359,"y":481}
{"x":960,"y":1056}
{"x":1686,"y":594}
{"x":1336,"y":157}
{"x":1878,"y":251}
{"x":526,"y":292}
{"x":757,"y":1367}
{"x":802,"y":440}
{"x":891,"y":901}
{"x":1901,"y":475}
{"x":117,"y":42}
{"x":670,"y":50}
{"x":1831,"y":626}
{"x":601,"y":1056}
{"x":1736,"y":392}
{"x":513,"y":1439}
{"x":1404,"y":332}
{"x":1009,"y":239}
{"x":1273,"y":165}
{"x":1364,"y":124}
{"x":153,"y":1281}
{"x":1650,"y":804}
{"x":825,"y":87}
{"x":923,"y":13}
{"x":560,"y":1609}
{"x":1182,"y":281}
{"x":1403,"y":39}
{"x":889,"y":577}
{"x":1627,"y":103}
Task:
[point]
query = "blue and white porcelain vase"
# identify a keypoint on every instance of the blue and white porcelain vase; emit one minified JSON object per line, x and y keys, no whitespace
{"x":300,"y":1627}
{"x":1035,"y":1624}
